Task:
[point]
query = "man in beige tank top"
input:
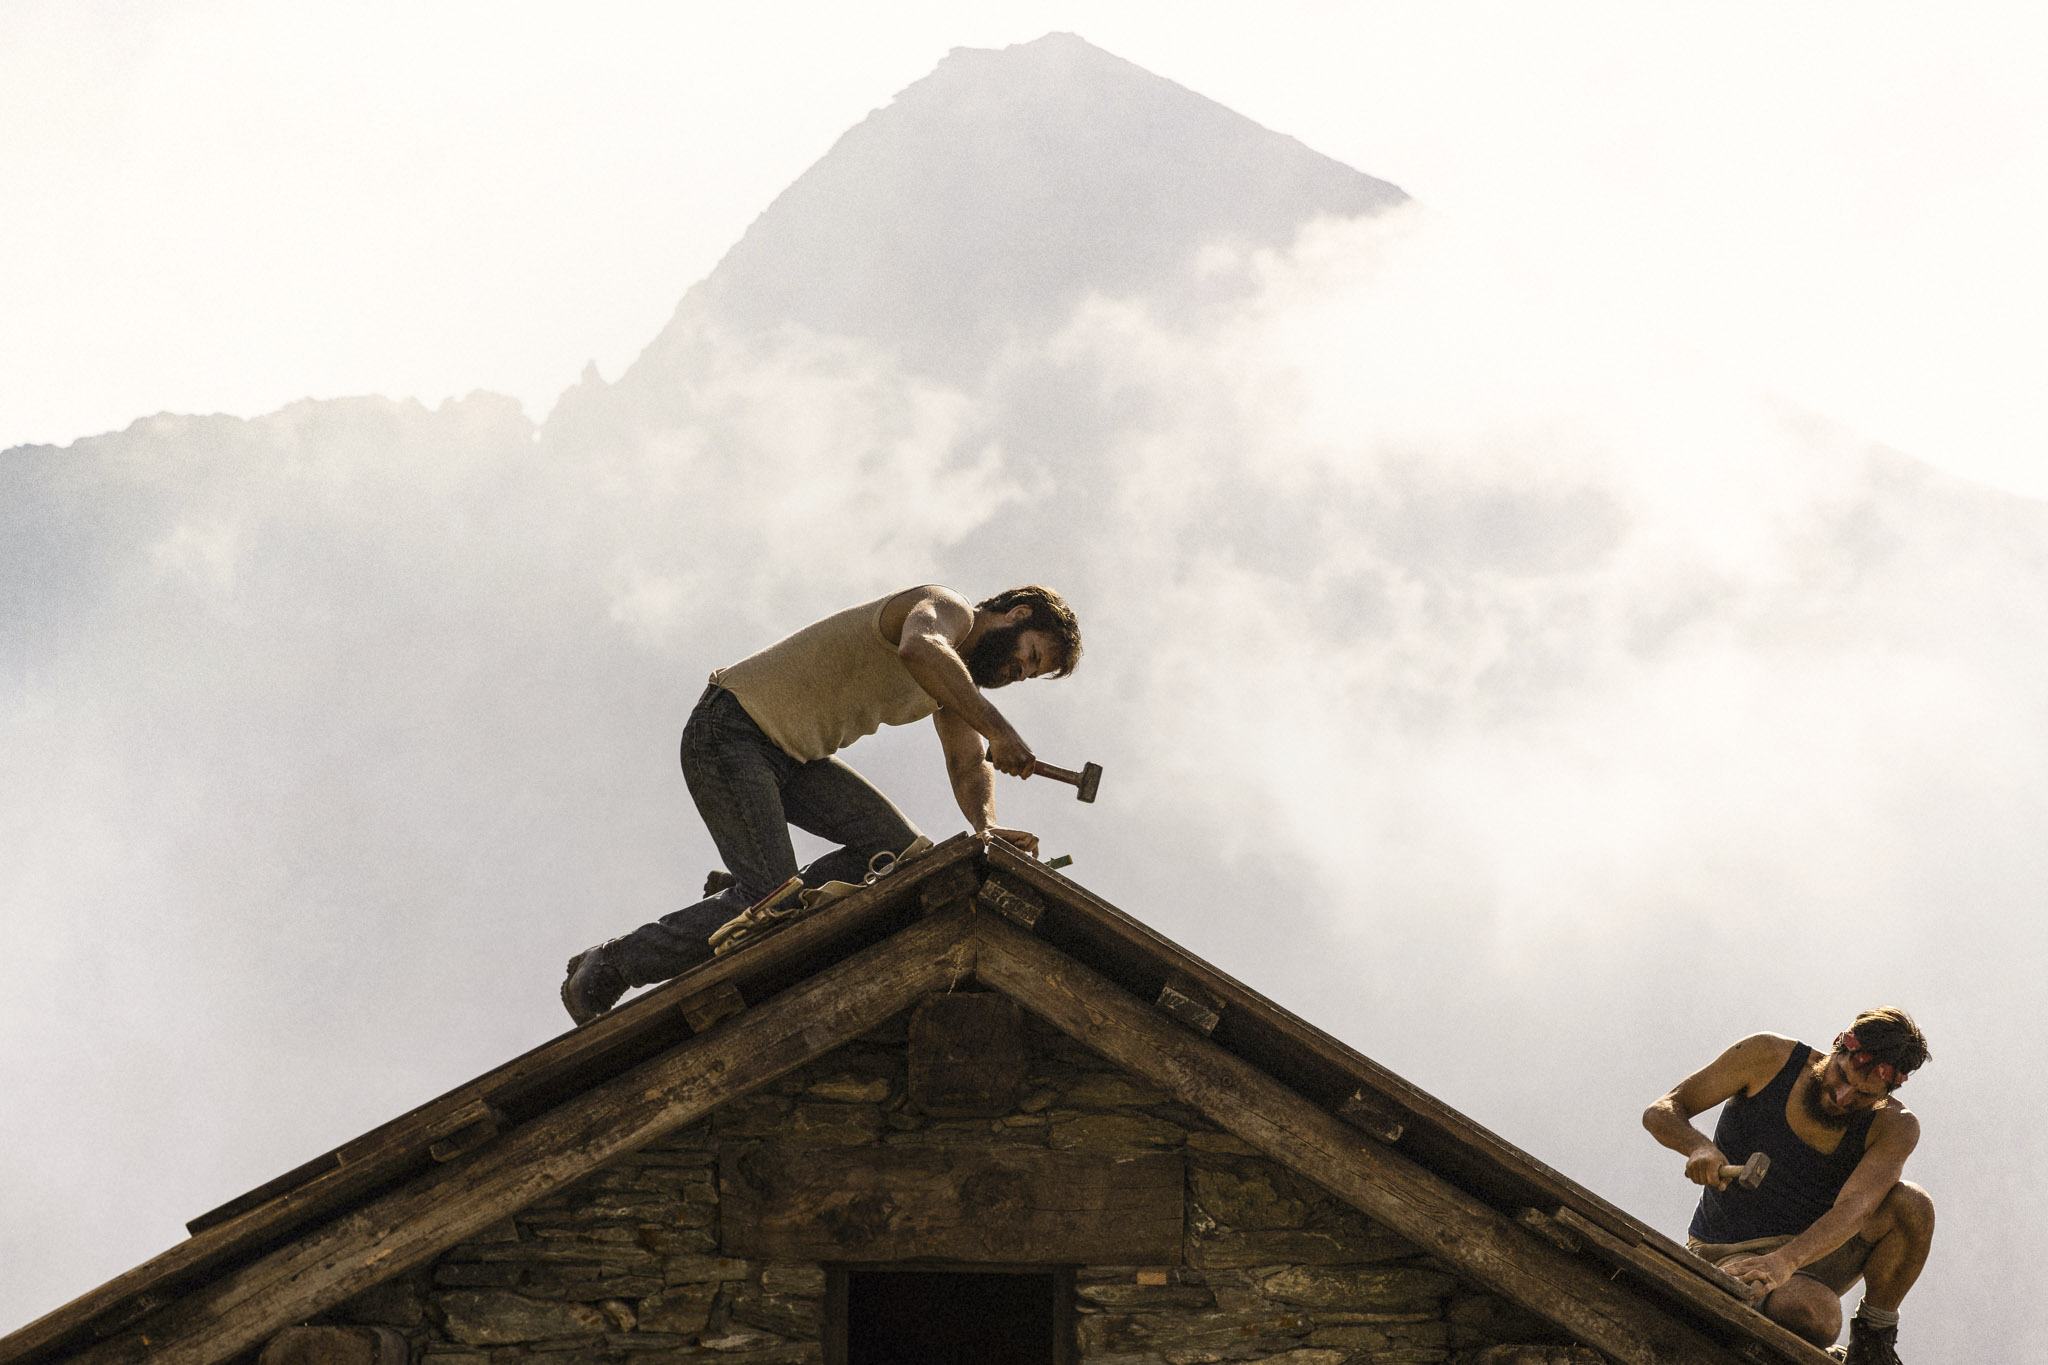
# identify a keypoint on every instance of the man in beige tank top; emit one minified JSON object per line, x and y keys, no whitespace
{"x":758,"y":752}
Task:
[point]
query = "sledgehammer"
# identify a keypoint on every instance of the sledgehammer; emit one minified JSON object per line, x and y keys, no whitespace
{"x":1750,"y":1173}
{"x":1085,"y":782}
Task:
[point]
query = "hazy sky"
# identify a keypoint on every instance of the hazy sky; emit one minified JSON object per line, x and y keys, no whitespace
{"x":1495,"y":660}
{"x":225,"y":206}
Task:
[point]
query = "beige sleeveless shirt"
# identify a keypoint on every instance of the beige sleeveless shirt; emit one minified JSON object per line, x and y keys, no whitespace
{"x":827,"y":685}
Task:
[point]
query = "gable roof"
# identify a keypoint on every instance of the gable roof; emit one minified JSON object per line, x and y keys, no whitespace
{"x":968,"y":912}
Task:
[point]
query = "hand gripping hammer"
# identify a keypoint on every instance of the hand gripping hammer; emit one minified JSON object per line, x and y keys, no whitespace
{"x":1084,"y":782}
{"x":1750,"y":1173}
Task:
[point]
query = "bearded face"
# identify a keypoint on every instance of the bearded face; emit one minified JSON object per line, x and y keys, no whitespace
{"x":1813,"y":1097}
{"x":1837,"y":1089}
{"x":992,"y":662}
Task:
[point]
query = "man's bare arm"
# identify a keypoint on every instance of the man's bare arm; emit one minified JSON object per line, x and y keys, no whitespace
{"x":968,"y":770}
{"x":973,"y":780}
{"x":1743,"y":1069}
{"x":928,"y":647}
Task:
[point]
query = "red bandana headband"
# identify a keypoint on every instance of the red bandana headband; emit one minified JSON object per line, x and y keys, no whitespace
{"x":1884,"y":1071}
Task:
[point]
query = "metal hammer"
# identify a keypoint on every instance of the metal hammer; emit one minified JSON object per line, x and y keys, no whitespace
{"x":1750,"y":1173}
{"x":1085,"y":782}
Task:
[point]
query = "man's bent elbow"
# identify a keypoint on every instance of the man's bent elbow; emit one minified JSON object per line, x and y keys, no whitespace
{"x":968,"y":769}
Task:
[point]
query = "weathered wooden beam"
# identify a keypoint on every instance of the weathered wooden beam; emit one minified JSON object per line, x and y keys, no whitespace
{"x":411,"y":1224}
{"x":464,"y":1131}
{"x":1183,"y":1000}
{"x":1668,"y":1251}
{"x":133,"y":1311}
{"x":1000,"y":1205}
{"x":707,"y":1008}
{"x":1717,"y":1294}
{"x":1476,"y":1239}
{"x":269,"y":1190}
{"x":1019,"y":907}
{"x":1549,"y":1229}
{"x":1370,"y":1114}
{"x":1572,"y":1222}
{"x":949,"y":889}
{"x":330,"y":1179}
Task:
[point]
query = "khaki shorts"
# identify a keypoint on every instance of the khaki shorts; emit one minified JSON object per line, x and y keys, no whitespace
{"x":1838,"y":1270}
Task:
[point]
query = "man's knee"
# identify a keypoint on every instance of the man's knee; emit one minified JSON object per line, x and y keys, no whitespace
{"x":1908,"y":1209}
{"x":1807,"y":1307}
{"x":889,"y":836}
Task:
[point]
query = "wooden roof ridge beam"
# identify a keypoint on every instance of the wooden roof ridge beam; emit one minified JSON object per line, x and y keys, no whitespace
{"x":1439,"y":1218}
{"x":409,"y":1225}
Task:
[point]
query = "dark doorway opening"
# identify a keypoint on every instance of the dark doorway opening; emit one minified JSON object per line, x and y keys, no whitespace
{"x":955,"y":1317}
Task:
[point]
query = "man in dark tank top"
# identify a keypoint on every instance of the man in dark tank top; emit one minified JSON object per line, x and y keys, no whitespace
{"x":1834,"y":1207}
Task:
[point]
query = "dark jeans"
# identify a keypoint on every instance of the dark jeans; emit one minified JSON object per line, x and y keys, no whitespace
{"x":749,"y":793}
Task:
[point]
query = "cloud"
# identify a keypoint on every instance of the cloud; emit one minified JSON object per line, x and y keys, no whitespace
{"x":1430,"y":558}
{"x":773,"y":468}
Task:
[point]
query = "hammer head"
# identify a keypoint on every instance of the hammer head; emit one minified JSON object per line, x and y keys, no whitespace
{"x":1091,"y":778}
{"x":1753,"y":1170}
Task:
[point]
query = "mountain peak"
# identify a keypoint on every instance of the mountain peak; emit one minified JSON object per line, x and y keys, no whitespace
{"x":989,"y":197}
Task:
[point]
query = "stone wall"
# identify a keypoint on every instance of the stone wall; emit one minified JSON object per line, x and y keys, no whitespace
{"x":626,"y":1265}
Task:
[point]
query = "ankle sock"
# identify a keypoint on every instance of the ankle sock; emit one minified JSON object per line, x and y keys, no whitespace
{"x":1878,"y":1317}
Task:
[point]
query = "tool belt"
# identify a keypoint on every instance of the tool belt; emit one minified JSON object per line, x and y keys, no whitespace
{"x":793,"y":900}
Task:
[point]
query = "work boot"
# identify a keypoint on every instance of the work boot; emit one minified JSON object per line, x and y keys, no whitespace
{"x":591,"y":987}
{"x":1872,"y":1345}
{"x":716,"y":880}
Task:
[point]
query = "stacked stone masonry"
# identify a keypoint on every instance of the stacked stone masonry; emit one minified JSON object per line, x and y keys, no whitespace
{"x":626,"y":1265}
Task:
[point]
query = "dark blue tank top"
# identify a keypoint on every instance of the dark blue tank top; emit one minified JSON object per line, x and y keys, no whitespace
{"x":1802,"y":1183}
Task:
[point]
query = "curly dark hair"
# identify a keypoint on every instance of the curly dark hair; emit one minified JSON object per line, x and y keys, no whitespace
{"x":1049,"y":613}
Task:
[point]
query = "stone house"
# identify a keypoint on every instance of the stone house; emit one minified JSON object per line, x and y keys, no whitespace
{"x":969,"y":1115}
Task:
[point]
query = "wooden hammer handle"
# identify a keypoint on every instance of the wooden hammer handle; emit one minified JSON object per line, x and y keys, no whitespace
{"x":1040,"y":766}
